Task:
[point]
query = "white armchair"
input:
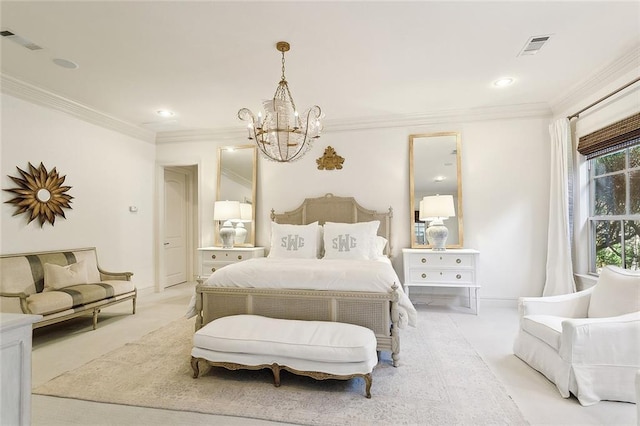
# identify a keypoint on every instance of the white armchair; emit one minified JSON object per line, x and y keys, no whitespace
{"x":587,"y":343}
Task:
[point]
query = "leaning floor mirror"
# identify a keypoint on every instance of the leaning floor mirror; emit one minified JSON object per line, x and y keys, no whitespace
{"x":237,"y":182}
{"x":434,"y":167}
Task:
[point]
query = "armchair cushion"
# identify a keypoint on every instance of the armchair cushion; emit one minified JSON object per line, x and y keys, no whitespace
{"x":616,"y":293}
{"x":547,"y":328}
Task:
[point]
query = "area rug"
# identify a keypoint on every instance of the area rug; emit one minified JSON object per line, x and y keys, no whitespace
{"x":441,"y":380}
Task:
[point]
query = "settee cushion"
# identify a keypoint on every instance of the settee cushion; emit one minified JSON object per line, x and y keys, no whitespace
{"x":57,"y":276}
{"x":617,"y":292}
{"x":547,"y":328}
{"x":78,"y":295}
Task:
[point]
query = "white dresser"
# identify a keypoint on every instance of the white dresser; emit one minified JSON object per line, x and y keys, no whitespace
{"x":214,"y":258}
{"x":15,"y":363}
{"x":450,"y":268}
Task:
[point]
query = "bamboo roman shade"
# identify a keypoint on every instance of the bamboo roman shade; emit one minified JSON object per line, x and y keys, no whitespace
{"x":616,"y":136}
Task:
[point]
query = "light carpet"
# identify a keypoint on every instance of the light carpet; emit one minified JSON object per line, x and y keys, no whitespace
{"x":441,"y":380}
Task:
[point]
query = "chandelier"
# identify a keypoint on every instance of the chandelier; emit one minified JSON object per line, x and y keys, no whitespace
{"x":283,"y":135}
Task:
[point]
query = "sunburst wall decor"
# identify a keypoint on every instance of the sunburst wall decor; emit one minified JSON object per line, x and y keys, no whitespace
{"x":40,"y":194}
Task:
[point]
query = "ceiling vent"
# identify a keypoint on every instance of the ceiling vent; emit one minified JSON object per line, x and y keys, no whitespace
{"x":20,"y":40}
{"x":534,"y":44}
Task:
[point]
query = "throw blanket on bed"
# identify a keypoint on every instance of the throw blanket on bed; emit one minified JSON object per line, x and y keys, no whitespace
{"x":316,"y":274}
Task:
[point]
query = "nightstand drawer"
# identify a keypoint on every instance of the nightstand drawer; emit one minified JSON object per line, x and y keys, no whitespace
{"x":420,"y":276}
{"x":209,"y":268}
{"x":441,"y":260}
{"x":229,"y":256}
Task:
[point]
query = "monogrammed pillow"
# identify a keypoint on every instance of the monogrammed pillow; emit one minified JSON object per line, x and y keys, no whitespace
{"x":294,"y":241}
{"x":350,"y":240}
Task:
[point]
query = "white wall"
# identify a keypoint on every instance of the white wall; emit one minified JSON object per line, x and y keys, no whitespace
{"x":505,"y":168}
{"x":108,"y":172}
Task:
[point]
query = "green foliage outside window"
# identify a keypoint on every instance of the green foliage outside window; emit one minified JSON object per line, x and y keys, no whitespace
{"x":616,"y":209}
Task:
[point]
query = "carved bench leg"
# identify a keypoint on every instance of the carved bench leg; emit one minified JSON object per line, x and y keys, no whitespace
{"x":368,"y":379}
{"x":275,"y":368}
{"x":195,"y":367}
{"x":134,"y":305}
{"x":95,"y":318}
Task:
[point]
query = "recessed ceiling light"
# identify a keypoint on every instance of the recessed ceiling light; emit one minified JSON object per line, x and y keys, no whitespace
{"x":65,"y":63}
{"x":503,"y":82}
{"x":439,"y":178}
{"x":165,"y":113}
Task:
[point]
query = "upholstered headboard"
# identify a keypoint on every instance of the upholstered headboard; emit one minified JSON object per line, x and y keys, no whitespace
{"x":330,"y":208}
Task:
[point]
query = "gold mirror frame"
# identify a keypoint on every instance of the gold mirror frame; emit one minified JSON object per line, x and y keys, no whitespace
{"x":432,"y":155}
{"x":237,"y":181}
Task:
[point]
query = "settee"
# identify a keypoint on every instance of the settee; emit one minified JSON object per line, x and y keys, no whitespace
{"x":60,"y":285}
{"x":587,"y":343}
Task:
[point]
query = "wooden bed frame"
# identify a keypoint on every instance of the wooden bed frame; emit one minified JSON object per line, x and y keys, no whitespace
{"x":376,"y":311}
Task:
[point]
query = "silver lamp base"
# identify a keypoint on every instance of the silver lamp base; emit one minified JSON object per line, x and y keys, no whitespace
{"x":437,"y":235}
{"x":227,"y":234}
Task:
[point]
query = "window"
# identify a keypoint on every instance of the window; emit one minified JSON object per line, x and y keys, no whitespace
{"x":613,"y":155}
{"x":614,"y":186}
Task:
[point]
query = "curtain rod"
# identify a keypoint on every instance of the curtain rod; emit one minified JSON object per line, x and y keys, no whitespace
{"x":602,"y":99}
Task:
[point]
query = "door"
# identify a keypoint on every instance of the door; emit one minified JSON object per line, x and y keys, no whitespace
{"x":175,"y":227}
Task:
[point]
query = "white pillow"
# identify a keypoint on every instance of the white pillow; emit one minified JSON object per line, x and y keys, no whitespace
{"x":57,"y":277}
{"x":616,"y":293}
{"x":294,"y":241}
{"x":350,"y":240}
{"x":380,"y":244}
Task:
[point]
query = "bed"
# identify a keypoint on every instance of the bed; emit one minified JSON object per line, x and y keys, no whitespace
{"x":363,"y":291}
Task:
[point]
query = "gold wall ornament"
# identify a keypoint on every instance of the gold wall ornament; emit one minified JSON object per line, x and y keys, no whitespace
{"x":330,"y":160}
{"x":40,"y":194}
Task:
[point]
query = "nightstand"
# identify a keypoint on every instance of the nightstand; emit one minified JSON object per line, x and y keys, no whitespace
{"x":449,"y":268}
{"x":214,"y":258}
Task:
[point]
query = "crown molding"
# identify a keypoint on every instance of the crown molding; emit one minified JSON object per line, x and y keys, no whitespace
{"x":15,"y":87}
{"x":28,"y":92}
{"x":579,"y":94}
{"x":377,"y":122}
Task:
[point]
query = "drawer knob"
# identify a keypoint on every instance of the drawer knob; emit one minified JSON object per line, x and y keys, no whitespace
{"x":424,"y":275}
{"x":213,"y":256}
{"x":440,"y":257}
{"x":239,"y":257}
{"x":458,"y":260}
{"x":213,"y":269}
{"x":424,"y":260}
{"x":458,"y":276}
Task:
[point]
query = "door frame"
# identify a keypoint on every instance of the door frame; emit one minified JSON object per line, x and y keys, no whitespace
{"x":192,"y":171}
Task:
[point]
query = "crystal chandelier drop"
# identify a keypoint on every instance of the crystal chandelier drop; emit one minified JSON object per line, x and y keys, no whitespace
{"x":283,"y":135}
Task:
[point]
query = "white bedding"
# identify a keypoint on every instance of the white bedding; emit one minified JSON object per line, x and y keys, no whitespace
{"x":315,"y":274}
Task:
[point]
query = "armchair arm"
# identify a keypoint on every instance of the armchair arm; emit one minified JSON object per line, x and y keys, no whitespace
{"x":612,"y":341}
{"x":121,"y":276}
{"x":573,"y":305}
{"x":23,"y":300}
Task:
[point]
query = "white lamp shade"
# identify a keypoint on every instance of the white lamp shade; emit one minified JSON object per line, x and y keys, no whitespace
{"x":437,"y":206}
{"x":226,"y":210}
{"x":246,"y":212}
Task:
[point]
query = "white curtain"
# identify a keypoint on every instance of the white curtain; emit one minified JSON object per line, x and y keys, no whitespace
{"x":559,"y":265}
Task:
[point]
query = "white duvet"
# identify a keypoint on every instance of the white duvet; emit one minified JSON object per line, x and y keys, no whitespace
{"x":315,"y":274}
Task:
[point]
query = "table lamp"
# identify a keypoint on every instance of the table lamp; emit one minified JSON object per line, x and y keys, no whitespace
{"x":225,"y":211}
{"x":434,"y":209}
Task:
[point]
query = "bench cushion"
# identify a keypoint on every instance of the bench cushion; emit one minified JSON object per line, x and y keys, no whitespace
{"x":322,"y":341}
{"x":78,"y":295}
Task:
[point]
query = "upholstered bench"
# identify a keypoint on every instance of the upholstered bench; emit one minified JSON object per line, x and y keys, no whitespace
{"x":317,"y":349}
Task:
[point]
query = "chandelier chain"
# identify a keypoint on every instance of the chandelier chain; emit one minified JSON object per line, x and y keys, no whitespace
{"x":283,"y":78}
